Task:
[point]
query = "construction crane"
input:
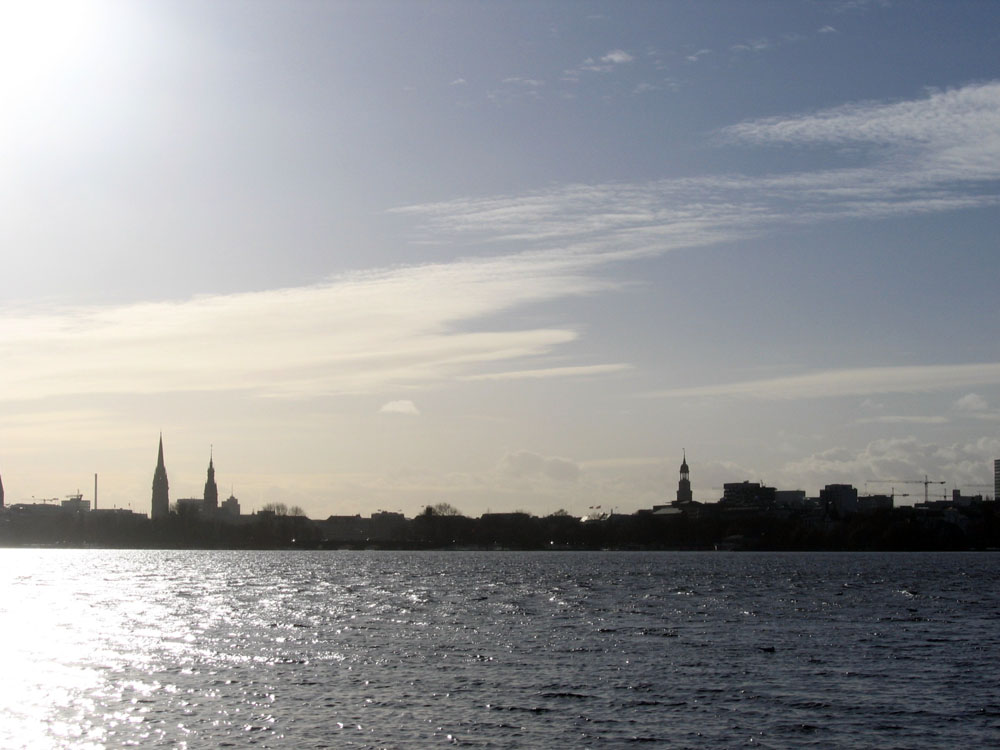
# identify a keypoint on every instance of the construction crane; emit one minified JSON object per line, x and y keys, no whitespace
{"x":925,"y":482}
{"x":892,"y":490}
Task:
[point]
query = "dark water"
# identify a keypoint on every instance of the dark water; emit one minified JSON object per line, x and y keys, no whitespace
{"x":553,"y":650}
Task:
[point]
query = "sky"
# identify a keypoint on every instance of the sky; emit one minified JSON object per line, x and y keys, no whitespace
{"x":508,"y":256}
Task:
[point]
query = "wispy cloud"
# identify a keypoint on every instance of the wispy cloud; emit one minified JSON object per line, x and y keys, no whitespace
{"x":903,"y":420}
{"x":972,"y":402}
{"x":852,"y":382}
{"x":515,"y":88}
{"x":604,"y":64}
{"x":752,"y":45}
{"x":367,"y":332}
{"x":942,"y":120}
{"x":976,"y":407}
{"x":553,"y":372}
{"x":415,"y":326}
{"x":533,"y":83}
{"x":938,"y":153}
{"x":402,"y":406}
{"x":617,"y":57}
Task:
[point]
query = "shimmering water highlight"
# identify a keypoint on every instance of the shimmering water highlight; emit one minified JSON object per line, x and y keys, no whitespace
{"x":407,"y":650}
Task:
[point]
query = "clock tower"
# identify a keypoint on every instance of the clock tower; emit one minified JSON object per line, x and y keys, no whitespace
{"x":684,"y":485}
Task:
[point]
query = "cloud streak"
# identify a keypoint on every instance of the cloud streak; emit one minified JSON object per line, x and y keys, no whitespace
{"x":553,"y":372}
{"x":358,"y":333}
{"x":415,"y":326}
{"x":604,"y":64}
{"x":934,"y":154}
{"x":851,"y":382}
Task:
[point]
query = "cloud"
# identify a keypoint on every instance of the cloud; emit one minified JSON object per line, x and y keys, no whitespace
{"x":941,"y":121}
{"x":416,"y":326}
{"x":529,"y":82}
{"x":404,"y":406}
{"x":552,"y":372}
{"x":457,"y":82}
{"x":845,"y":6}
{"x":754,"y":45}
{"x":357,"y":333}
{"x":526,"y":464}
{"x":905,"y":460}
{"x":827,"y":30}
{"x":851,"y":382}
{"x":935,"y":154}
{"x":617,"y":57}
{"x":698,"y":55}
{"x":605,"y":64}
{"x":903,"y":420}
{"x":975,"y":406}
{"x":514,"y":88}
{"x":972,"y":402}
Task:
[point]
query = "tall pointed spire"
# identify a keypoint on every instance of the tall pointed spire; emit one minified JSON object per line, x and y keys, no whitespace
{"x":211,"y":499}
{"x":161,"y":495}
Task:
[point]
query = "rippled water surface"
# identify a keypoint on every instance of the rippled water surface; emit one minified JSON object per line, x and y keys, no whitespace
{"x":410,"y":650}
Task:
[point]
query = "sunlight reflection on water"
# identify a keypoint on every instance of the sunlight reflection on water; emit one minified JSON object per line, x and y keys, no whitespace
{"x":271,"y":649}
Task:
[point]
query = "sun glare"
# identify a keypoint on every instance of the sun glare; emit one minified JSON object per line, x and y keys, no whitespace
{"x":43,"y":40}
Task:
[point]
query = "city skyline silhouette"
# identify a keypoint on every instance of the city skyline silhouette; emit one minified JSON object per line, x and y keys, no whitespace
{"x":385,"y":256}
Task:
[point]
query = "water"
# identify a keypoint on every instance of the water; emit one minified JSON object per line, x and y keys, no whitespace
{"x":555,"y":650}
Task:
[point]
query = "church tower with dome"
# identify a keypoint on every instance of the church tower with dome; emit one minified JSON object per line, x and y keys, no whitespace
{"x":211,"y":498}
{"x":684,"y":485}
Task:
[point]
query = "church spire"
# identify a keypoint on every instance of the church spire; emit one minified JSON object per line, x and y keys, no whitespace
{"x":161,"y":497}
{"x":211,"y":499}
{"x":684,"y":485}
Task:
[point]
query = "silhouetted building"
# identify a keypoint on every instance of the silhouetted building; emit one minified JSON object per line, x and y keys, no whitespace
{"x":387,"y":526}
{"x":839,"y":498}
{"x":874,"y":503}
{"x":794,"y":499}
{"x":76,"y":504}
{"x":161,"y":499}
{"x":996,"y":480}
{"x":231,"y":506}
{"x":684,"y":485}
{"x":747,"y":496}
{"x":211,"y":500}
{"x":1,"y":492}
{"x":44,"y":509}
{"x":190,"y":506}
{"x":351,"y":529}
{"x":958,"y":500}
